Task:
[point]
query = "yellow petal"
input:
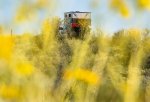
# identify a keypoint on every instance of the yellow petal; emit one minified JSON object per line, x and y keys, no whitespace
{"x":9,"y":91}
{"x":6,"y":47}
{"x":84,"y":75}
{"x":24,"y":69}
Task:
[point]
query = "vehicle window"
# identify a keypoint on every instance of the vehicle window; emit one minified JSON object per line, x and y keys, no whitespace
{"x":69,"y":15}
{"x":60,"y":28}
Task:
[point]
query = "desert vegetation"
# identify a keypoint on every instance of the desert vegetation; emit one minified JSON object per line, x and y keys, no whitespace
{"x":50,"y":67}
{"x":99,"y":68}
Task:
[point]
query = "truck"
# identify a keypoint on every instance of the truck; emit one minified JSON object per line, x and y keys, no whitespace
{"x":76,"y":24}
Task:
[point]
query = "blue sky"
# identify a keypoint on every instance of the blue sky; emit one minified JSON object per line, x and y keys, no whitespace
{"x":102,"y":16}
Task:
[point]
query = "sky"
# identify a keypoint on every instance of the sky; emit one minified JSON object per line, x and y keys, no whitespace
{"x":102,"y":16}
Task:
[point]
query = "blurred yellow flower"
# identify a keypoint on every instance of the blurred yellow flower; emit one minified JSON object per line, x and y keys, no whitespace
{"x":121,"y":7}
{"x":115,"y":3}
{"x":124,"y":11}
{"x":24,"y":69}
{"x":23,"y":13}
{"x":9,"y":91}
{"x":84,"y":75}
{"x":46,"y":27}
{"x":6,"y":47}
{"x":144,"y":4}
{"x":42,"y":3}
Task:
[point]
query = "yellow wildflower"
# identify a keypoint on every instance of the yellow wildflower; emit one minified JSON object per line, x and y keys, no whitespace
{"x":9,"y":92}
{"x":23,"y":13}
{"x":144,"y":4}
{"x":42,"y":3}
{"x":24,"y":69}
{"x":116,"y":3}
{"x":84,"y":75}
{"x":6,"y":47}
{"x":124,"y":11}
{"x":121,"y":7}
{"x":46,"y":27}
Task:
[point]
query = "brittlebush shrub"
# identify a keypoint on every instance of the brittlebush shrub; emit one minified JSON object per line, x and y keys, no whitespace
{"x":48,"y":67}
